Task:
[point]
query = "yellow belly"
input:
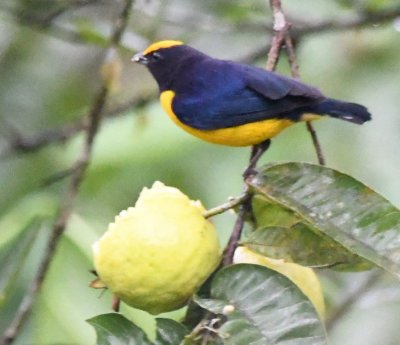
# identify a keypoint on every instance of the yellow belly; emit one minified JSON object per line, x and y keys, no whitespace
{"x":244,"y":135}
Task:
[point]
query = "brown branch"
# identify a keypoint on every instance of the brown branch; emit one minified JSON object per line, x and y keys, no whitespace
{"x":45,"y":24}
{"x":316,"y":143}
{"x":294,"y":68}
{"x":23,"y":144}
{"x":301,"y":29}
{"x":290,"y":50}
{"x":360,"y":20}
{"x":71,"y":6}
{"x":280,"y":28}
{"x":59,"y":176}
{"x":234,"y":238}
{"x":94,"y":120}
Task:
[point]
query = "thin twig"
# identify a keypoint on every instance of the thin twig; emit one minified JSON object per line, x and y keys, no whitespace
{"x":351,"y":299}
{"x":343,"y":23}
{"x":245,"y":206}
{"x":274,"y":51}
{"x":316,"y":143}
{"x":280,"y":28}
{"x":94,"y":120}
{"x":290,"y":51}
{"x":300,"y":29}
{"x":71,"y":6}
{"x":225,"y":207}
{"x":47,"y":25}
{"x":294,"y":68}
{"x":18,"y":143}
{"x":234,"y":238}
{"x":23,"y":144}
{"x":361,"y":19}
{"x":59,"y":176}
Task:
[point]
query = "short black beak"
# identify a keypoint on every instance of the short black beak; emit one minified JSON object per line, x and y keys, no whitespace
{"x":140,"y":58}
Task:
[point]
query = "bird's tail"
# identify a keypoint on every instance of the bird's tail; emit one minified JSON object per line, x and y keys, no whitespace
{"x":351,"y":112}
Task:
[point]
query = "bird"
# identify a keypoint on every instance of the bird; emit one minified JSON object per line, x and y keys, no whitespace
{"x":229,"y":103}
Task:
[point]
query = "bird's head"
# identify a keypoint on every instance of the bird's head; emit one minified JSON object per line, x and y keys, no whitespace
{"x":157,"y":53}
{"x":163,"y":58}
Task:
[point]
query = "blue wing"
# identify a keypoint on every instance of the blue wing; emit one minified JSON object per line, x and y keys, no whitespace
{"x":225,"y":94}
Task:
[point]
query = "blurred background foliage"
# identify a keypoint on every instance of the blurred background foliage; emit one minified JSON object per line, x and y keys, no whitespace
{"x":51,"y":52}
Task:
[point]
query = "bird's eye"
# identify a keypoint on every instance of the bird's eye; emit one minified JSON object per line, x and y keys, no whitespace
{"x":156,"y":56}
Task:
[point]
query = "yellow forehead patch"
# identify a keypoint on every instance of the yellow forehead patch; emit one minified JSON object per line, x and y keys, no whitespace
{"x":161,"y":44}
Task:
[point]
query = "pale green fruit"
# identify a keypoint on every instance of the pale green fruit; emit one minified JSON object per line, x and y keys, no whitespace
{"x":155,"y":255}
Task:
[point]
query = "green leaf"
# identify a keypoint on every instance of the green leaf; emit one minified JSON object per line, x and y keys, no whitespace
{"x":29,"y":208}
{"x":14,"y":256}
{"x":189,"y":340}
{"x":114,"y":329}
{"x":269,"y":215}
{"x":169,"y":332}
{"x":280,"y":234}
{"x":303,"y":246}
{"x":338,"y":206}
{"x":262,"y":307}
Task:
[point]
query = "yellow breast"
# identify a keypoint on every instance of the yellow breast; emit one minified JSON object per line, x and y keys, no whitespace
{"x":244,"y":135}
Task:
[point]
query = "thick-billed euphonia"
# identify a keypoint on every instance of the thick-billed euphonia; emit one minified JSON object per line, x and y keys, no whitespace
{"x":229,"y":103}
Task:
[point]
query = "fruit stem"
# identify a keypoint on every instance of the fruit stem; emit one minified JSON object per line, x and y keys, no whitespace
{"x":116,"y":303}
